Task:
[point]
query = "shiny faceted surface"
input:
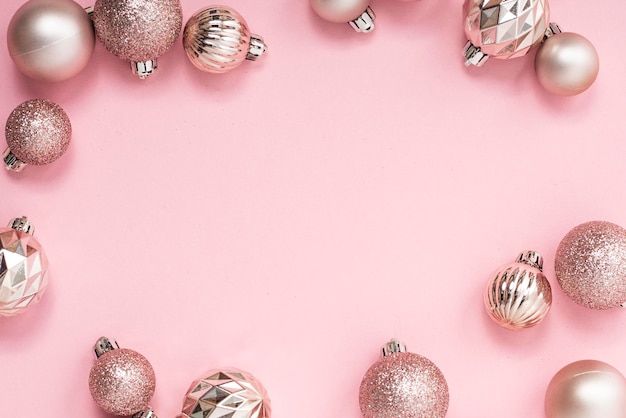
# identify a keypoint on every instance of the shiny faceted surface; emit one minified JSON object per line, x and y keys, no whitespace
{"x":38,"y":131}
{"x":229,"y":393}
{"x":137,"y":30}
{"x":50,"y":40}
{"x":518,"y":296}
{"x":567,"y":64}
{"x":505,"y":29}
{"x":216,"y":39}
{"x":586,"y":389}
{"x":590,"y":265}
{"x":23,"y":267}
{"x":122,"y":382}
{"x":403,"y":385}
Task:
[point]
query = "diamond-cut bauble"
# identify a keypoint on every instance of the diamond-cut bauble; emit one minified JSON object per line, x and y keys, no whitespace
{"x":228,"y":393}
{"x":505,"y":29}
{"x":23,"y":266}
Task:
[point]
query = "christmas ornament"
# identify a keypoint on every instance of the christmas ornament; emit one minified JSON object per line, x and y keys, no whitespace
{"x":23,"y":267}
{"x":586,"y":389}
{"x":519,"y":295}
{"x":228,"y":392}
{"x":38,"y":132}
{"x":138,"y":31}
{"x":403,"y":385}
{"x":355,"y":12}
{"x":566,"y":64}
{"x":217,"y":39}
{"x":50,"y":40}
{"x":121,"y":381}
{"x":590,"y":265}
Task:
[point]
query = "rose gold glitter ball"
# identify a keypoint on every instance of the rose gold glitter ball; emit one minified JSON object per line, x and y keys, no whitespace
{"x":404,"y":385}
{"x":122,"y":382}
{"x":590,"y":265}
{"x":137,"y":30}
{"x":38,"y":131}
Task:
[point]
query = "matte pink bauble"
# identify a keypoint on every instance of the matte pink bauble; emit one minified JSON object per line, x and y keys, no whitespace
{"x":567,"y":64}
{"x":590,"y":265}
{"x":586,"y":389}
{"x":355,"y":12}
{"x":50,"y":40}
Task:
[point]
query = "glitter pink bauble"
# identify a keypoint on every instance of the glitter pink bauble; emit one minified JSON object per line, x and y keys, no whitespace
{"x":404,"y":385}
{"x":590,"y":265}
{"x":38,"y":131}
{"x":137,"y":30}
{"x":122,"y":382}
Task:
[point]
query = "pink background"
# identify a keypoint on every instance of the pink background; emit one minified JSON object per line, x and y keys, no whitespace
{"x":291,"y":216}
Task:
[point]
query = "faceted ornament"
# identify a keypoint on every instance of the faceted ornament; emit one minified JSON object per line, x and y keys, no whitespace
{"x":505,"y":29}
{"x":226,"y":393}
{"x":23,"y":266}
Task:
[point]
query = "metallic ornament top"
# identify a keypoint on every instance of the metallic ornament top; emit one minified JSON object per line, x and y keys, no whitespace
{"x":229,"y":393}
{"x":403,"y":385}
{"x":503,"y":28}
{"x":23,"y":267}
{"x":355,"y":12}
{"x":586,"y":389}
{"x":38,"y":132}
{"x":217,"y":39}
{"x":590,"y":265}
{"x":121,"y":381}
{"x":138,"y":31}
{"x":50,"y":40}
{"x":519,"y":296}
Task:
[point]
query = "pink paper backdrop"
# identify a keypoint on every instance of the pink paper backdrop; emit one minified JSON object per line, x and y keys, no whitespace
{"x":291,"y":216}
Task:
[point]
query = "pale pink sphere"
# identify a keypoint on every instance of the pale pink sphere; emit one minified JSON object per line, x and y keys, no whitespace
{"x":567,"y":64}
{"x":339,"y":11}
{"x":590,"y":265}
{"x":586,"y":389}
{"x":122,"y":382}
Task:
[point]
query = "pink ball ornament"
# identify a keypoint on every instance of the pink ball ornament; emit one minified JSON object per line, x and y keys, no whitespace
{"x":50,"y":40}
{"x":403,"y":385}
{"x":138,"y":31}
{"x":586,"y":389}
{"x":121,"y":381}
{"x":355,"y":12}
{"x":590,"y":265}
{"x":38,"y":132}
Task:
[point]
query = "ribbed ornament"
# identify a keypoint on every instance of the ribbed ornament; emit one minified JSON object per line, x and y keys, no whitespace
{"x":218,"y":39}
{"x":519,"y":296}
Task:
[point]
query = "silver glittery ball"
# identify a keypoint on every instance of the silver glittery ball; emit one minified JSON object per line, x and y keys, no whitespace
{"x":137,"y":30}
{"x":38,"y":131}
{"x":403,"y":385}
{"x":218,"y":39}
{"x":590,"y":265}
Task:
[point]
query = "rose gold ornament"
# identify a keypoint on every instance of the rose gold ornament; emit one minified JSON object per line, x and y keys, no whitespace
{"x":519,"y":295}
{"x":217,"y":39}
{"x":566,"y":64}
{"x":586,"y":389}
{"x":138,"y":31}
{"x":23,"y":267}
{"x":590,"y":265}
{"x":37,"y":132}
{"x":226,"y":392}
{"x":50,"y":40}
{"x":121,"y":381}
{"x":403,"y":385}
{"x":355,"y":12}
